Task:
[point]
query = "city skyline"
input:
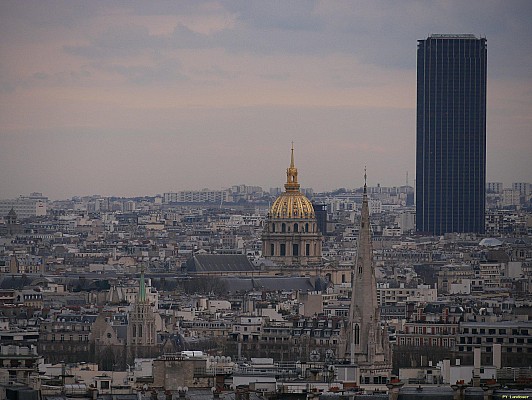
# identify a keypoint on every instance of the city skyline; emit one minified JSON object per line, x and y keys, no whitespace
{"x":139,"y":98}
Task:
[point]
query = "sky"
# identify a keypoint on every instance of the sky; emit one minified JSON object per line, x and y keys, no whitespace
{"x":134,"y":98}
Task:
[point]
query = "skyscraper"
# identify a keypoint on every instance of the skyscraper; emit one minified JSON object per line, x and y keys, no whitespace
{"x":451,"y":134}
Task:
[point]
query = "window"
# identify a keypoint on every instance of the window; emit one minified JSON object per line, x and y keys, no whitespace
{"x":295,"y":250}
{"x":283,"y":249}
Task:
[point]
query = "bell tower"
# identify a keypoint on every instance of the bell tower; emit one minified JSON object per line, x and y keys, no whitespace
{"x":141,"y":332}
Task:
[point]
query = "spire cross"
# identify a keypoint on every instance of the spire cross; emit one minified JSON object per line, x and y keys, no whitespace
{"x":292,"y":157}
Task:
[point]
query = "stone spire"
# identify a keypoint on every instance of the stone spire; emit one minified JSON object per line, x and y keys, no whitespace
{"x":142,"y":288}
{"x":367,"y":344}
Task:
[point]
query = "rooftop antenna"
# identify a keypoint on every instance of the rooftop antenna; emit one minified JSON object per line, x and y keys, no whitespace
{"x":406,"y":178}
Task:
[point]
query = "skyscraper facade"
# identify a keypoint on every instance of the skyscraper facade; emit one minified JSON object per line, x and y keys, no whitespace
{"x":451,"y":134}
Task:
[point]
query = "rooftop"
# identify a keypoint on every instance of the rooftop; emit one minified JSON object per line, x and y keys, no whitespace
{"x":453,"y":36}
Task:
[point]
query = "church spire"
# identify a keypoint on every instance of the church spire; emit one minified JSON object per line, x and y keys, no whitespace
{"x":142,"y":288}
{"x":291,"y":184}
{"x":365,"y":181}
{"x":366,"y":343}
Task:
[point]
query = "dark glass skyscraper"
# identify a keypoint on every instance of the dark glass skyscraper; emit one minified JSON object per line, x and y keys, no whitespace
{"x":451,"y":134}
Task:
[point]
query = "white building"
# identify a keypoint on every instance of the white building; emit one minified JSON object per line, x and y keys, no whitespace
{"x":510,"y":197}
{"x":34,"y":205}
{"x":197,"y":196}
{"x":406,"y":220}
{"x":524,"y":188}
{"x":494,"y":187}
{"x":391,"y":296}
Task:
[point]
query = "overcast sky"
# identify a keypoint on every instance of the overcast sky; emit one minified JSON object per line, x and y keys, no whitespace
{"x":137,"y":98}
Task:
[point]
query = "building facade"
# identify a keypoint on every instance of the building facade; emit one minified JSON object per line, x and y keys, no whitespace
{"x":451,"y":134}
{"x":34,"y":205}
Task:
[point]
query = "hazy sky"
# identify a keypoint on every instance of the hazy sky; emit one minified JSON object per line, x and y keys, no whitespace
{"x":137,"y":98}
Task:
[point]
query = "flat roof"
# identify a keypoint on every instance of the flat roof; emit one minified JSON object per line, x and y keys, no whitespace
{"x":453,"y":36}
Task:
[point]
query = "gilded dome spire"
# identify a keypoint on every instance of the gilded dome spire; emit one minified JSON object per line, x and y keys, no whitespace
{"x":291,"y":184}
{"x":292,"y":203}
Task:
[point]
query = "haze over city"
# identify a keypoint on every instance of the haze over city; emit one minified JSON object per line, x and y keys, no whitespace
{"x":138,"y":98}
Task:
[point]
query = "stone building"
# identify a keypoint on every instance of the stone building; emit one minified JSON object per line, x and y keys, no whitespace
{"x":317,"y":338}
{"x":291,"y":236}
{"x":65,"y":337}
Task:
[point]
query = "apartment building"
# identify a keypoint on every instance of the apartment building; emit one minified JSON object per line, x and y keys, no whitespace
{"x":34,"y":205}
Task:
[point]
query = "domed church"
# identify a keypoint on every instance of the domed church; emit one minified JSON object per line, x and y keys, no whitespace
{"x":291,"y":235}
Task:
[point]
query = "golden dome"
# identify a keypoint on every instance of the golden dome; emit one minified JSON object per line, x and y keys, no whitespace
{"x":292,"y":203}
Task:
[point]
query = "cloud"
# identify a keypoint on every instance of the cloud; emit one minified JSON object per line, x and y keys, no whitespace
{"x":231,"y":83}
{"x":159,"y":73}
